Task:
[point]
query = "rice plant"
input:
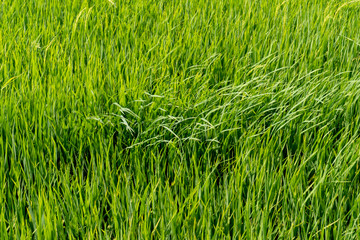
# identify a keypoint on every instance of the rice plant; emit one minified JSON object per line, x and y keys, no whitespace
{"x":179,"y":119}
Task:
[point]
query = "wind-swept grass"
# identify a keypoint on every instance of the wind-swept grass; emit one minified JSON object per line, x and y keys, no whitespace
{"x":179,"y":119}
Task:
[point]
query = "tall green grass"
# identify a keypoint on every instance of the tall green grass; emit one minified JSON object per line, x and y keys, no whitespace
{"x":180,"y":119}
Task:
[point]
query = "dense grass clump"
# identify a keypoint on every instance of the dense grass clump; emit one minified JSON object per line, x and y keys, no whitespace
{"x":180,"y":119}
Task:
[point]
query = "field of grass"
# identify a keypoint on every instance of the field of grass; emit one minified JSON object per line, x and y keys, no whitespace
{"x":179,"y":119}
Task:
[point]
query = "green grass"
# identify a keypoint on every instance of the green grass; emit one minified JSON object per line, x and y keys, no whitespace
{"x":179,"y":119}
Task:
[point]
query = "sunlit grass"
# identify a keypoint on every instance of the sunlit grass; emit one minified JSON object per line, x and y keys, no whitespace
{"x":179,"y":119}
